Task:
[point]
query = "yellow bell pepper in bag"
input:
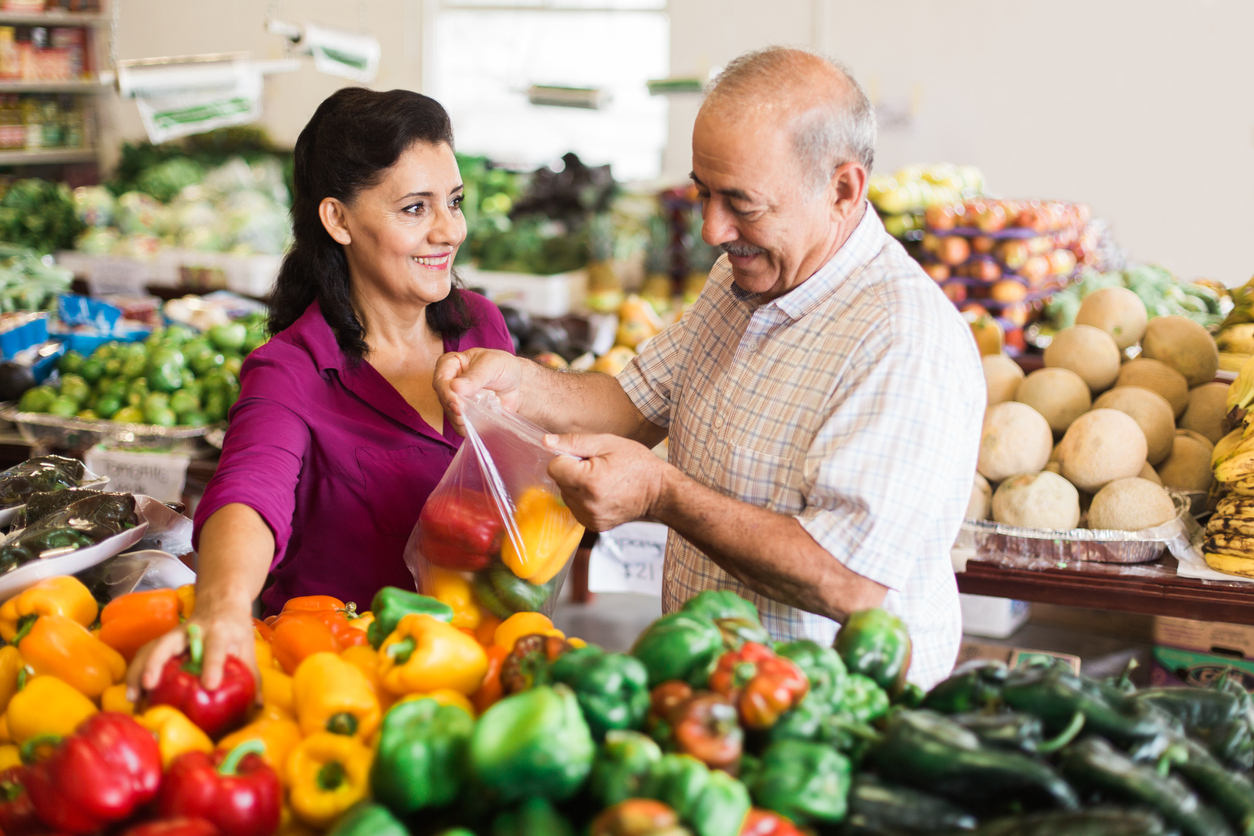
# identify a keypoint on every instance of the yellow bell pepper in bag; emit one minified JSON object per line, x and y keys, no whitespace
{"x":454,"y":589}
{"x":549,"y":533}
{"x":279,"y":737}
{"x":61,"y":647}
{"x":175,"y":733}
{"x":326,"y":774}
{"x":114,"y":699}
{"x":332,"y":695}
{"x":46,"y":705}
{"x":423,"y":654}
{"x":63,"y":595}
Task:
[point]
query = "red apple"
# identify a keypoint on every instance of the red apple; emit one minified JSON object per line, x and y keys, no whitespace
{"x":1061,"y":262}
{"x":1013,"y":252}
{"x":942,"y":217}
{"x":1035,"y":269}
{"x":982,"y":244}
{"x":930,"y":244}
{"x":955,"y":292}
{"x":992,"y":219}
{"x":937,"y":270}
{"x":954,"y":250}
{"x":985,"y":269}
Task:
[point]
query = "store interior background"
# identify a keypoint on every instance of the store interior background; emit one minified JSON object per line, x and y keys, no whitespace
{"x":1137,"y":107}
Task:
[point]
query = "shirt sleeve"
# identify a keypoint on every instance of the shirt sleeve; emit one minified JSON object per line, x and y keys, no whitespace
{"x":649,"y":378}
{"x":887,"y":458}
{"x":262,"y":455}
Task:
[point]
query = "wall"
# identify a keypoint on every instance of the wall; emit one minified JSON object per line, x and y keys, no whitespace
{"x":1139,"y":107}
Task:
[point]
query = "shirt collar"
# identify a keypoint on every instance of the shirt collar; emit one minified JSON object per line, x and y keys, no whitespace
{"x":866,"y":240}
{"x":313,"y":332}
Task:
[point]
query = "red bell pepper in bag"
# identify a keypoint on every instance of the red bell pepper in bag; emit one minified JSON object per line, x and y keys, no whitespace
{"x":237,"y":791}
{"x":461,"y":530}
{"x":103,"y":773}
{"x":216,"y":712}
{"x":17,"y":811}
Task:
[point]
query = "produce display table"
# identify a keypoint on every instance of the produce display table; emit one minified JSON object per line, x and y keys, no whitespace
{"x":1151,"y":589}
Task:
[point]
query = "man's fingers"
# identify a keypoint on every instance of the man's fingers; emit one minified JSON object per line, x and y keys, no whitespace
{"x":567,"y":471}
{"x":582,"y":445}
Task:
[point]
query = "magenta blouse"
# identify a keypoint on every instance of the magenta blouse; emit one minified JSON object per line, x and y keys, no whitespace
{"x":335,"y":461}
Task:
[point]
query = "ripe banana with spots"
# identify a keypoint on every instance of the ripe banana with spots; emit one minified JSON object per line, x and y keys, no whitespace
{"x":1229,"y":563}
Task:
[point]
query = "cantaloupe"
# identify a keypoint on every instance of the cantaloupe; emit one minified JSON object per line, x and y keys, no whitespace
{"x":1148,"y":472}
{"x":1157,"y":377}
{"x":1037,"y":500}
{"x":1117,"y":311}
{"x":1015,"y":439}
{"x":1089,"y":352}
{"x":981,"y":499}
{"x":1001,"y":377}
{"x":1151,"y":412}
{"x":1198,"y":437}
{"x":1208,"y":407}
{"x":1184,"y":345}
{"x":1101,"y":446}
{"x":1130,"y":505}
{"x":1188,"y":466}
{"x":1060,"y":395}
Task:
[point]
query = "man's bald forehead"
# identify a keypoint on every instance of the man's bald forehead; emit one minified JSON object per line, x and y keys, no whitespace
{"x":779,"y":81}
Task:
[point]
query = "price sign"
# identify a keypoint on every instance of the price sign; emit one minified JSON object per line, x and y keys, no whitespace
{"x":629,"y":559}
{"x":159,"y":475}
{"x":117,"y":275}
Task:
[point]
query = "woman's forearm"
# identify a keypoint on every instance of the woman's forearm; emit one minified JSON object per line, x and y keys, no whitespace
{"x":236,"y":548}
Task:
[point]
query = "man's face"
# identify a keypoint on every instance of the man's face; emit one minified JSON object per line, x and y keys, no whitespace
{"x":758,"y":204}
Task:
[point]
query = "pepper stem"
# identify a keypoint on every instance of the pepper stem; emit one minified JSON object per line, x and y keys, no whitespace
{"x":342,"y":723}
{"x":331,"y":776}
{"x":230,"y":764}
{"x":23,"y":676}
{"x":24,"y":625}
{"x":402,"y":650}
{"x":195,"y":650}
{"x":27,"y":752}
{"x":1064,"y":737}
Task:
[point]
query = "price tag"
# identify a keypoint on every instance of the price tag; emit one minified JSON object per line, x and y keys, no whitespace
{"x":116,"y":275}
{"x":159,"y":475}
{"x":629,"y":559}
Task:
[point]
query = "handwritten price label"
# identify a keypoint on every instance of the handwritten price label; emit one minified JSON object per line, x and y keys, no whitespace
{"x":159,"y":475}
{"x":629,"y":559}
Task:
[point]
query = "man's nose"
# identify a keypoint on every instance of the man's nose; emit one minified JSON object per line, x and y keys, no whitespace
{"x":716,"y":224}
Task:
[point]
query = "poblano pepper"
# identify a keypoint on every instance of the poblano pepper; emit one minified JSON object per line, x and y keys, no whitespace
{"x":621,"y":764}
{"x":503,"y":593}
{"x":1056,"y":695}
{"x":533,"y":816}
{"x":679,"y":646}
{"x":807,"y":782}
{"x":712,"y":803}
{"x":422,"y":757}
{"x":876,"y":807}
{"x":1095,"y":821}
{"x":973,"y":686}
{"x":1231,"y":792}
{"x":876,"y":643}
{"x":391,"y":604}
{"x":612,"y":688}
{"x":1015,"y":730}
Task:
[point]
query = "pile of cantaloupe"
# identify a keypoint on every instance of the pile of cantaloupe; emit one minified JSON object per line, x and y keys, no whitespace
{"x":1095,"y":433}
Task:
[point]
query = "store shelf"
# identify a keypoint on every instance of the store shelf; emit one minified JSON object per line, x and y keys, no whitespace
{"x":52,"y":19}
{"x":89,"y":85}
{"x":48,"y":156}
{"x":1152,"y":589}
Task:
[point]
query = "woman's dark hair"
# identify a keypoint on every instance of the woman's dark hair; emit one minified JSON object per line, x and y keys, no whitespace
{"x":352,"y":139}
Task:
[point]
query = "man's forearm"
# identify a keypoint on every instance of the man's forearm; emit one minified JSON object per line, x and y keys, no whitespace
{"x":768,"y":552}
{"x":582,"y":402}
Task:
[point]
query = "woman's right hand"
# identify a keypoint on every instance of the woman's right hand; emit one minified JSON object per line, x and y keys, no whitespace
{"x":462,"y":374}
{"x":227,"y":631}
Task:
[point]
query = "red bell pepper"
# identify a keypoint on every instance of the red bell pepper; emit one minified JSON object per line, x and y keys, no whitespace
{"x":237,"y":791}
{"x":178,"y":826}
{"x":762,"y":685}
{"x":17,"y":811}
{"x":101,"y":774}
{"x":461,"y":530}
{"x":765,"y":823}
{"x":216,"y":712}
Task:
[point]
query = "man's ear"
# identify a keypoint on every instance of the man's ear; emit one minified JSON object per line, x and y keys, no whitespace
{"x":846,"y":190}
{"x":331,"y":212}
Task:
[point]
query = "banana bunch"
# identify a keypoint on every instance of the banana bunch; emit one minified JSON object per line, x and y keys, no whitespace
{"x":1236,"y":333}
{"x":1229,"y":545}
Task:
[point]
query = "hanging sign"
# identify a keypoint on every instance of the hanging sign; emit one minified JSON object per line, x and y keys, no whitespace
{"x":180,"y":100}
{"x":629,"y":559}
{"x":342,"y":54}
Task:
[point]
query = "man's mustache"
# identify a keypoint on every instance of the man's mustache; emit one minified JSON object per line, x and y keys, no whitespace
{"x":741,"y":250}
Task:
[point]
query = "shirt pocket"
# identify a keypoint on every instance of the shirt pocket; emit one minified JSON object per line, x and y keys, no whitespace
{"x":764,"y":480}
{"x":397,"y":484}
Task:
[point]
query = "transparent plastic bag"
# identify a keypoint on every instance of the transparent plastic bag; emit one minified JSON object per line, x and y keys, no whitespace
{"x":496,"y":519}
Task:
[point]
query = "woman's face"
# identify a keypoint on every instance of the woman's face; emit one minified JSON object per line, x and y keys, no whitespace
{"x":401,"y":235}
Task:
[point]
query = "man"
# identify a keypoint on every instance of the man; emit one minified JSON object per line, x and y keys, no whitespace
{"x":822,"y":398}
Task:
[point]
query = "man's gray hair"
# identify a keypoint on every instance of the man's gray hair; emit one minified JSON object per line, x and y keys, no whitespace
{"x":835,"y":131}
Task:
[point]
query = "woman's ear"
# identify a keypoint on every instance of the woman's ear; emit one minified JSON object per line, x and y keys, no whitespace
{"x":331,"y":212}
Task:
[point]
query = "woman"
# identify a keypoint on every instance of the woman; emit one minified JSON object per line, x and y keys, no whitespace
{"x":338,"y":438}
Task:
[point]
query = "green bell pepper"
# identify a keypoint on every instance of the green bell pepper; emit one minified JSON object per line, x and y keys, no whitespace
{"x":366,"y":818}
{"x":821,"y":665}
{"x":876,"y":643}
{"x":862,"y":699}
{"x":679,"y":646}
{"x":621,"y":764}
{"x":503,"y":593}
{"x":720,"y":603}
{"x":612,"y":688}
{"x":391,"y":604}
{"x":421,"y":760}
{"x":532,"y":816}
{"x":805,"y":722}
{"x":532,"y":744}
{"x":807,"y":782}
{"x":712,"y":803}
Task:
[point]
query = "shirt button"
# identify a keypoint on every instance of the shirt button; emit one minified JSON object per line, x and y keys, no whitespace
{"x":718,"y":421}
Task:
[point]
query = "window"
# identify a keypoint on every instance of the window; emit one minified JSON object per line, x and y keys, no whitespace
{"x":483,"y":55}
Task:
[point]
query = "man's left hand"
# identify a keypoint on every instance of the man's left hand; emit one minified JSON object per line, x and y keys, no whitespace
{"x":612,"y":481}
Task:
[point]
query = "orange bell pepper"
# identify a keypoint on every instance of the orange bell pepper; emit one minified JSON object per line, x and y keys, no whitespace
{"x":63,"y":595}
{"x":262,"y":630}
{"x":524,"y":624}
{"x":279,"y":737}
{"x":314,"y":603}
{"x":485,"y":633}
{"x":131,"y":621}
{"x":301,"y":633}
{"x":549,"y":534}
{"x":490,"y":691}
{"x":187,"y":599}
{"x":54,"y":645}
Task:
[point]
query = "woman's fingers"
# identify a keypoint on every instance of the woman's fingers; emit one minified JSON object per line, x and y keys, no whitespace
{"x":145,"y":670}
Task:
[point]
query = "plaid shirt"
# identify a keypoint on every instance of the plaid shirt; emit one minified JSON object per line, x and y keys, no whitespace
{"x":852,"y":403}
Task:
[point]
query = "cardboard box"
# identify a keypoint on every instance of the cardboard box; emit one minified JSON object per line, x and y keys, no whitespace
{"x":1188,"y":652}
{"x":1011,"y":656}
{"x":994,"y":618}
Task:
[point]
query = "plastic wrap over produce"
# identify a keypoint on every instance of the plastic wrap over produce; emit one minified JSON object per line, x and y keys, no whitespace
{"x":496,"y":517}
{"x":1035,"y":548}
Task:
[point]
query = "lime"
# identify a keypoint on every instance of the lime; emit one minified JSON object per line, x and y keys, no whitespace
{"x":233,"y":365}
{"x":37,"y":399}
{"x":177,"y":334}
{"x":113,"y":367}
{"x":137,"y":391}
{"x":154,"y":336}
{"x":107,"y":405}
{"x":93,"y":369}
{"x":63,"y":406}
{"x":87,"y":415}
{"x":129,"y":415}
{"x":194,"y":418}
{"x":70,"y":362}
{"x":229,"y":336}
{"x":74,"y":387}
{"x":162,"y":416}
{"x":206,"y":360}
{"x":193,"y":387}
{"x":133,"y":365}
{"x":184,"y":401}
{"x":116,"y":389}
{"x":215,"y":407}
{"x":106,"y":352}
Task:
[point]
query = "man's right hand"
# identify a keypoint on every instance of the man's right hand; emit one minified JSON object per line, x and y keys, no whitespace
{"x":463,"y":374}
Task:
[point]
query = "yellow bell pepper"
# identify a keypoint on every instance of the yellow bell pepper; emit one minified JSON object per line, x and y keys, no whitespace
{"x":263,"y":654}
{"x":279,"y":737}
{"x":524,"y":624}
{"x":424,"y":654}
{"x":361,"y":621}
{"x":187,"y":599}
{"x":290,"y":824}
{"x":365,"y":659}
{"x":10,"y":755}
{"x":63,"y":595}
{"x":327,"y":773}
{"x":332,"y":695}
{"x":5,"y":737}
{"x":175,"y":733}
{"x":453,"y":588}
{"x":63,"y":648}
{"x":46,"y":705}
{"x":114,"y":699}
{"x":549,"y":533}
{"x":276,"y":692}
{"x":444,"y":697}
{"x":11,"y":664}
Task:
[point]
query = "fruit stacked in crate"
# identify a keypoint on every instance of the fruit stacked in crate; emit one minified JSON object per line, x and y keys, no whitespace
{"x":901,"y":198}
{"x":1004,"y":257}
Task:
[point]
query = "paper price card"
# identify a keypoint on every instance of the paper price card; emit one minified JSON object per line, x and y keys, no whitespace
{"x":629,"y":559}
{"x":159,"y":475}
